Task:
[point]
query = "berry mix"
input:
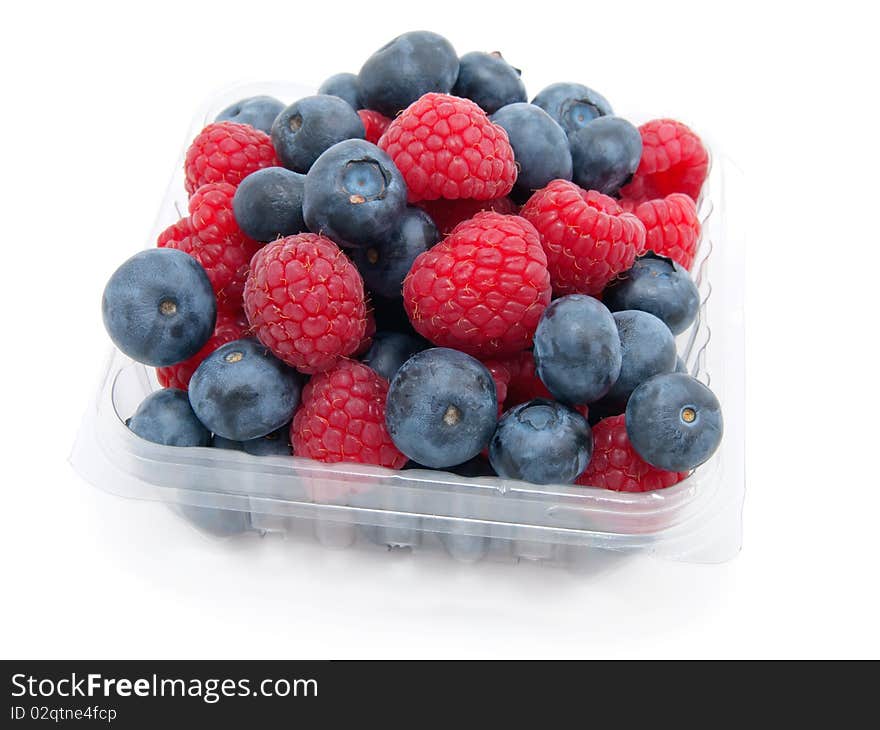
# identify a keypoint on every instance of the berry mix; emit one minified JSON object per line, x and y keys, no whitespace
{"x":418,"y":268}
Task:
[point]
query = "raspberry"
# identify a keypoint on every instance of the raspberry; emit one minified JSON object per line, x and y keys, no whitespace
{"x":674,"y":160}
{"x":374,"y":123}
{"x":483,"y":289}
{"x":501,"y":376}
{"x":447,"y":147}
{"x":342,"y":418}
{"x":524,"y":384}
{"x":447,"y":214}
{"x":230,"y":326}
{"x":369,"y":331}
{"x":588,"y":238}
{"x":211,"y":236}
{"x":210,"y":212}
{"x":305,"y":301}
{"x":615,"y":464}
{"x":672,"y":226}
{"x":227,"y":152}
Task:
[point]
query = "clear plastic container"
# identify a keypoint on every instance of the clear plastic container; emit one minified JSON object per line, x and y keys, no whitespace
{"x":230,"y":493}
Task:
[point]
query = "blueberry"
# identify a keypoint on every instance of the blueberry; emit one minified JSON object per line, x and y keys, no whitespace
{"x":572,"y":105}
{"x":390,"y":350}
{"x":346,"y":86}
{"x":241,"y":392}
{"x":577,"y":349}
{"x":390,"y":315}
{"x":441,"y":408}
{"x":647,"y":348}
{"x":464,"y":547}
{"x":476,"y":467}
{"x":354,"y":194}
{"x":605,"y":153}
{"x":276,"y":443}
{"x":489,"y":81}
{"x":218,"y":522}
{"x":541,"y":442}
{"x":311,"y":125}
{"x":257,"y":111}
{"x":166,"y":417}
{"x":159,"y":307}
{"x":268,"y":203}
{"x":540,"y":146}
{"x":660,"y":286}
{"x":406,"y":68}
{"x":385,"y":264}
{"x":674,"y":422}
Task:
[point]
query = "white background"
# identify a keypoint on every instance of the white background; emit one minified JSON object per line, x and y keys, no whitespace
{"x":95,"y":101}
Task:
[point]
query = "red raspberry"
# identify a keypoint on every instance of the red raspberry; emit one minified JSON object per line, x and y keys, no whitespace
{"x":588,"y":238}
{"x":369,"y":331}
{"x":674,"y":160}
{"x":342,"y":418}
{"x":374,"y":123}
{"x":305,"y":301}
{"x":615,"y":464}
{"x":501,"y":376}
{"x":222,"y":250}
{"x":447,"y":147}
{"x":227,"y":152}
{"x":483,"y":289}
{"x":524,"y":384}
{"x":447,"y":214}
{"x":210,"y":212}
{"x":672,"y":226}
{"x":230,"y":326}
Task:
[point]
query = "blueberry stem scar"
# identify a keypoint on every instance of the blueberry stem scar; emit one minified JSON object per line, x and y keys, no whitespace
{"x":167,"y":307}
{"x":452,"y":416}
{"x":234,"y":357}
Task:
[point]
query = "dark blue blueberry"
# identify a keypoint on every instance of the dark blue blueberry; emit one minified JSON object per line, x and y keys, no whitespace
{"x":489,"y":81}
{"x":217,"y":522}
{"x":660,"y":286}
{"x":674,"y":422}
{"x":241,"y":392}
{"x":476,"y":467}
{"x":346,"y":86}
{"x":385,"y":263}
{"x":539,"y":146}
{"x":572,"y":105}
{"x":276,"y":443}
{"x":441,"y":408}
{"x":406,"y":68}
{"x":268,"y":203}
{"x":541,"y":442}
{"x":166,"y":417}
{"x":577,"y":349}
{"x":605,"y":154}
{"x":390,"y":350}
{"x":391,"y":316}
{"x":257,"y":111}
{"x":311,"y":125}
{"x":647,"y":348}
{"x":464,"y":547}
{"x":159,"y":307}
{"x":354,"y":194}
